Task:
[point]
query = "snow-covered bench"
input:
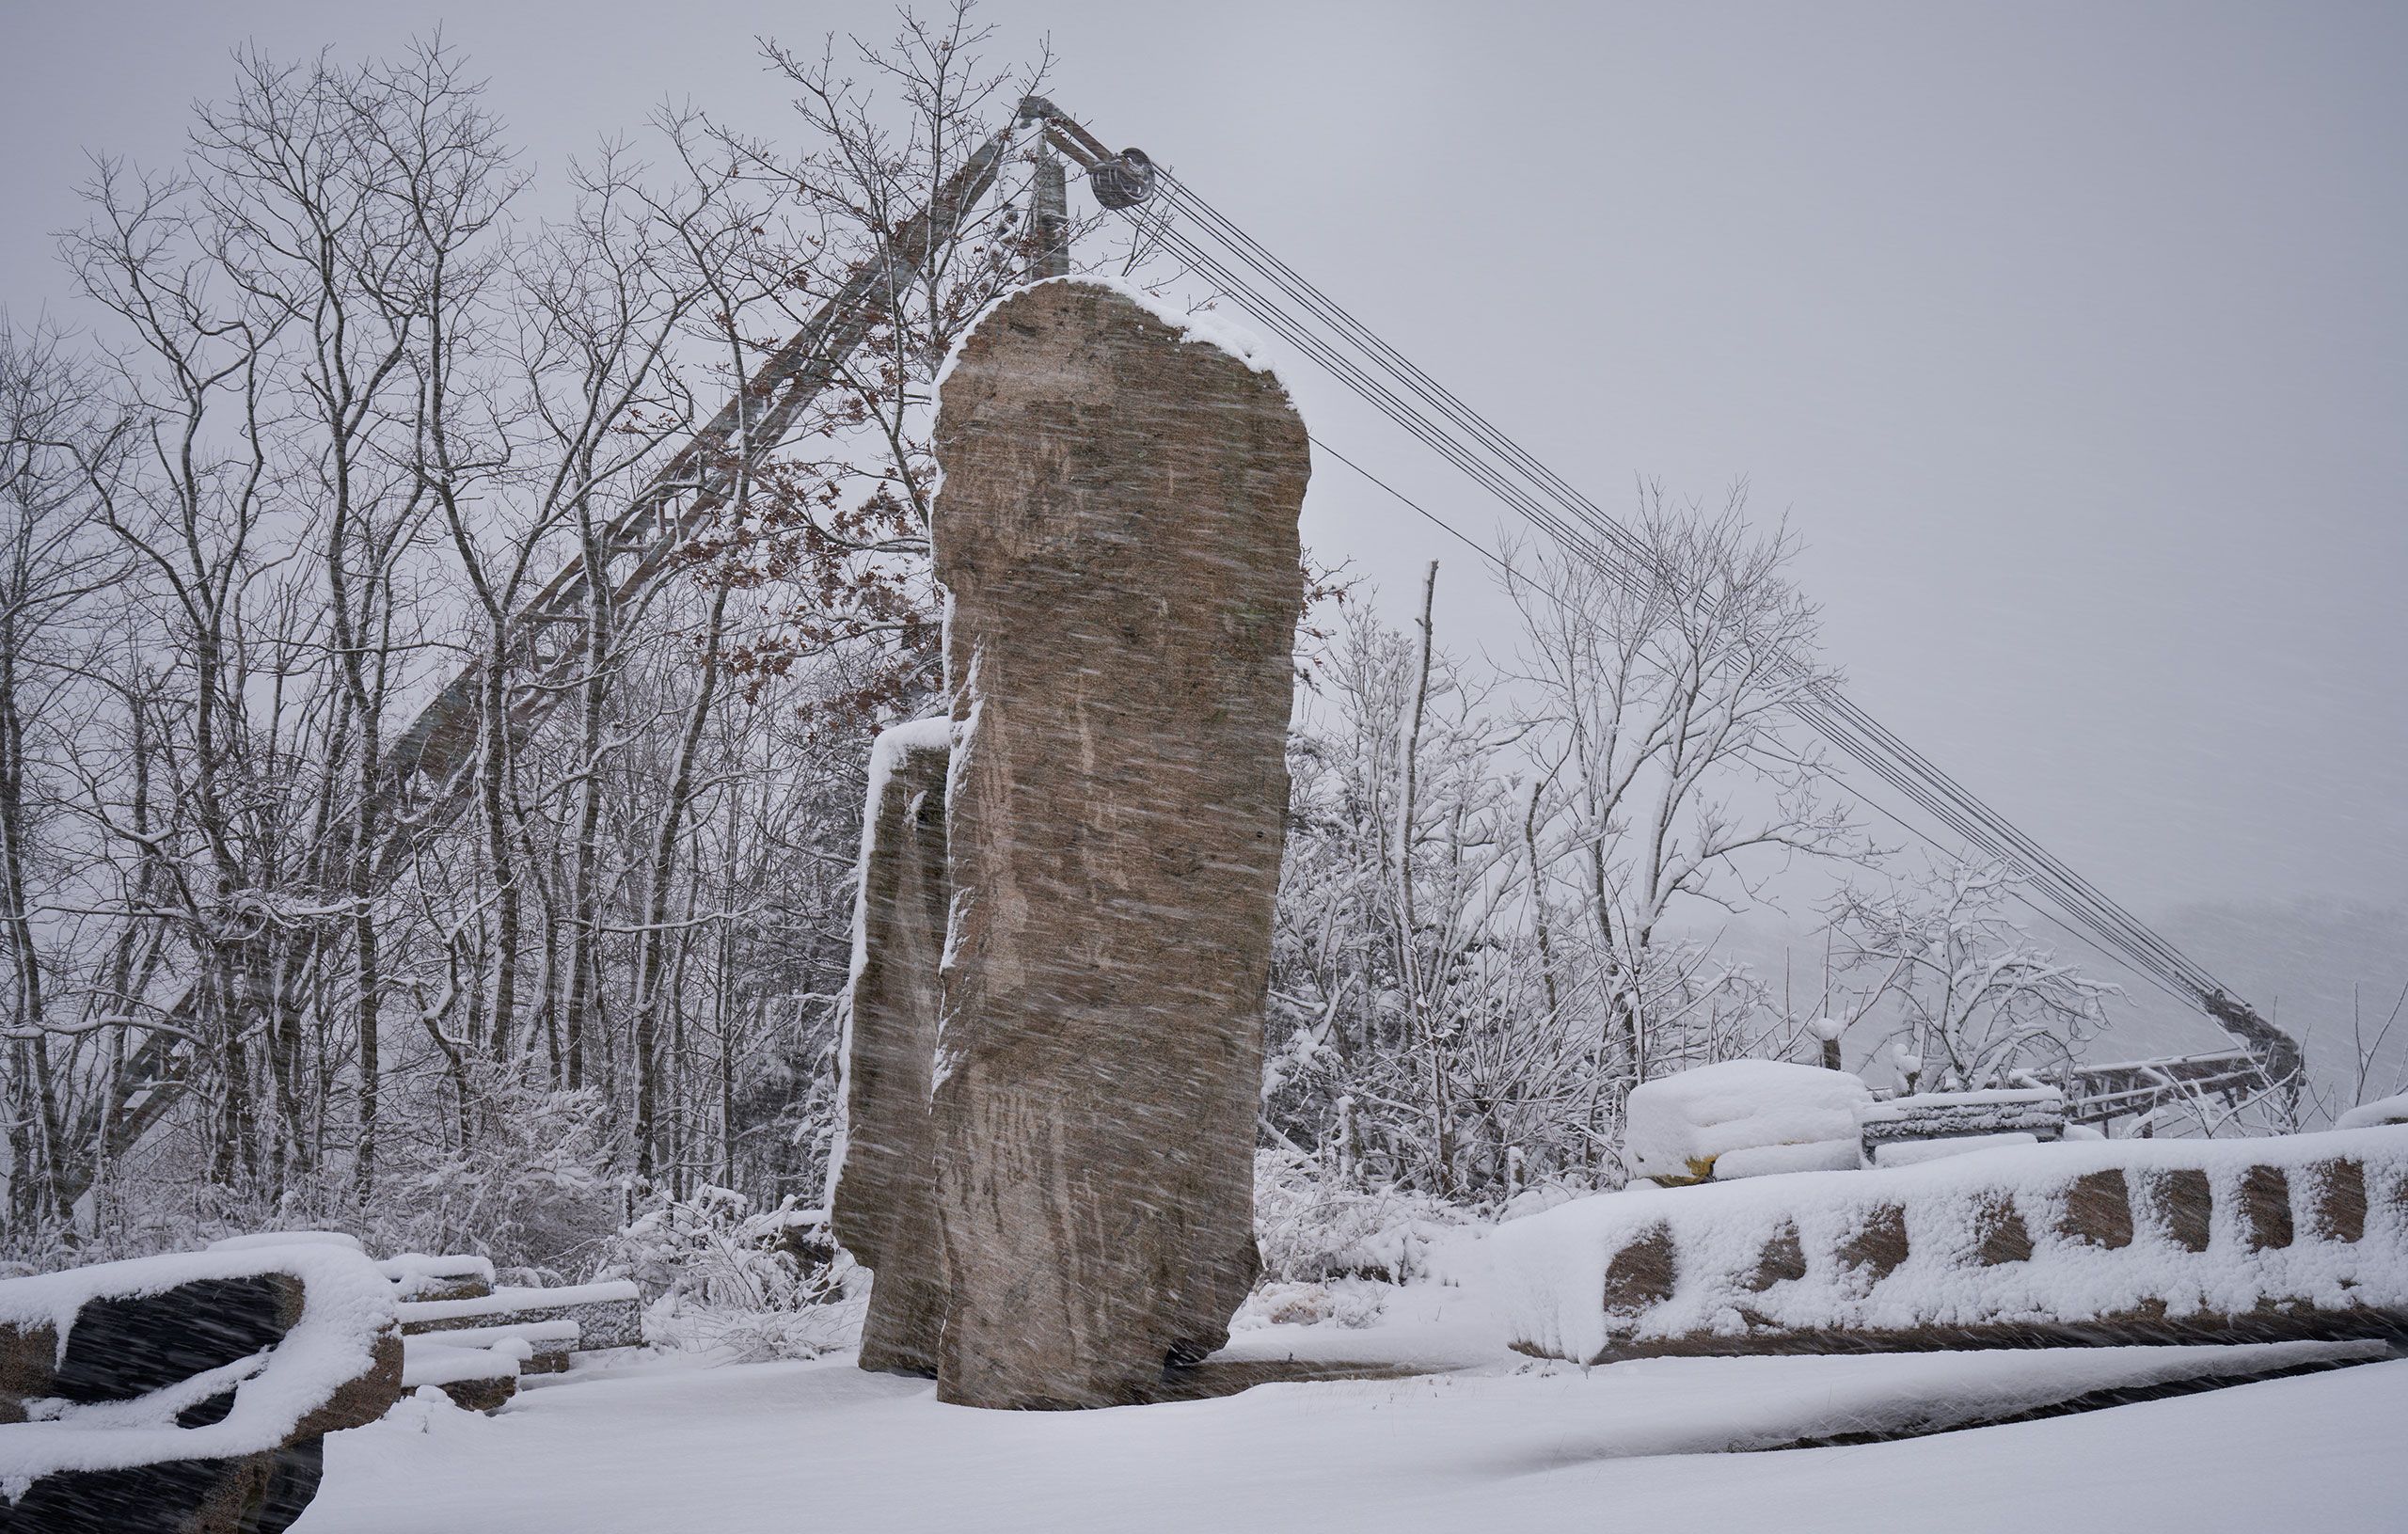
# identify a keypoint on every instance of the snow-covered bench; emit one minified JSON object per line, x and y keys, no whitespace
{"x":1897,"y":1132}
{"x":419,"y":1276}
{"x":2073,"y":1243}
{"x":606,"y":1314}
{"x":187,"y":1392}
{"x":478,"y":1378}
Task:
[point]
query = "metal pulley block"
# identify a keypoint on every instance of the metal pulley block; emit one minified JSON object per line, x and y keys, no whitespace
{"x":1124,"y":181}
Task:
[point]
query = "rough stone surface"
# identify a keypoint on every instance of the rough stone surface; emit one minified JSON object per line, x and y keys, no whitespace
{"x":482,"y":1395}
{"x":1641,"y":1274}
{"x":361,"y":1400}
{"x":28,"y":1368}
{"x":2000,"y":1234}
{"x":1783,"y":1258}
{"x":883,"y":1206}
{"x":1875,"y":1249}
{"x":2182,"y":1202}
{"x":124,"y":1345}
{"x":1117,"y":534}
{"x":256,"y":1494}
{"x":2337,"y":1200}
{"x":2265,"y":1208}
{"x":2098,"y":1209}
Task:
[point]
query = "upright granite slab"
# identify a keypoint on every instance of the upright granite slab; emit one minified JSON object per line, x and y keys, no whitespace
{"x":882,"y":1205}
{"x":1117,"y":535}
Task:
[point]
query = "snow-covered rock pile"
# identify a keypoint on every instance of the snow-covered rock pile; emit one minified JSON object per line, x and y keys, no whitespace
{"x":188,"y":1390}
{"x":1742,"y":1118}
{"x":2125,"y":1240}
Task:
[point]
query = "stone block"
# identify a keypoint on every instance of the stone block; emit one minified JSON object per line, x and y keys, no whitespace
{"x":2098,"y":1209}
{"x":1783,"y":1258}
{"x":1641,"y":1273}
{"x":2265,"y":1208}
{"x":1118,"y":537}
{"x":883,"y":1205}
{"x":1876,"y":1246}
{"x":2336,"y":1194}
{"x":2182,"y":1203}
{"x":2000,"y":1235}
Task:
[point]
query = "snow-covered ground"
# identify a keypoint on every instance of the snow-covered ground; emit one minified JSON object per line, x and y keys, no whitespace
{"x":665,"y":1446}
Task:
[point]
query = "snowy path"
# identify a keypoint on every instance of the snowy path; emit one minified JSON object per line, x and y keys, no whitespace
{"x":663,"y":1447}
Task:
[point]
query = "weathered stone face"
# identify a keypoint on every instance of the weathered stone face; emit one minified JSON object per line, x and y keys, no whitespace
{"x":884,"y":1207}
{"x":1117,"y":531}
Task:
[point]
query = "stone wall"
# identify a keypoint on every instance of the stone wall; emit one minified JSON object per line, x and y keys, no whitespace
{"x":2117,"y":1242}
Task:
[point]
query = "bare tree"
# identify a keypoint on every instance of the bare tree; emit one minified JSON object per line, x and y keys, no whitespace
{"x":1972,"y":999}
{"x":55,"y":557}
{"x":1661,"y":701}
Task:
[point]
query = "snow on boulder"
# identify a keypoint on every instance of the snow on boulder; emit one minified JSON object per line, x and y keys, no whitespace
{"x":417,"y":1275}
{"x":2367,"y":1115}
{"x":286,"y":1237}
{"x":1763,"y":1161}
{"x":477,"y":1379}
{"x":1680,"y":1125}
{"x":187,"y":1391}
{"x":425,"y":1364}
{"x":1911,"y":1152}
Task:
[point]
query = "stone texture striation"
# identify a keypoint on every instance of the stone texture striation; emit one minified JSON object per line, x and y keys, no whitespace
{"x":1117,"y":534}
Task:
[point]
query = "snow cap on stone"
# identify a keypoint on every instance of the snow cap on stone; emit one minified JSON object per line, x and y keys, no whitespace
{"x":1680,"y":1124}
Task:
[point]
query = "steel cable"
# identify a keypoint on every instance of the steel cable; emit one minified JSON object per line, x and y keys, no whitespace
{"x":1589,"y":533}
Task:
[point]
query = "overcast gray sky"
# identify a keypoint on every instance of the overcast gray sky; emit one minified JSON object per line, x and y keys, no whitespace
{"x":2071,"y":338}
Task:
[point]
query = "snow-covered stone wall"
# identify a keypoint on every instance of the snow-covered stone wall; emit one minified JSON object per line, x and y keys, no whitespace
{"x":2123,"y":1241}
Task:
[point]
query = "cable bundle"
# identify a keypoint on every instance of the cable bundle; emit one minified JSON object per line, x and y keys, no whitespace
{"x":1318,"y":328}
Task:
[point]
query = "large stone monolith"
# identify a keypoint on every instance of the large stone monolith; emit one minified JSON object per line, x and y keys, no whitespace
{"x":882,"y":1206}
{"x":1117,"y":534}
